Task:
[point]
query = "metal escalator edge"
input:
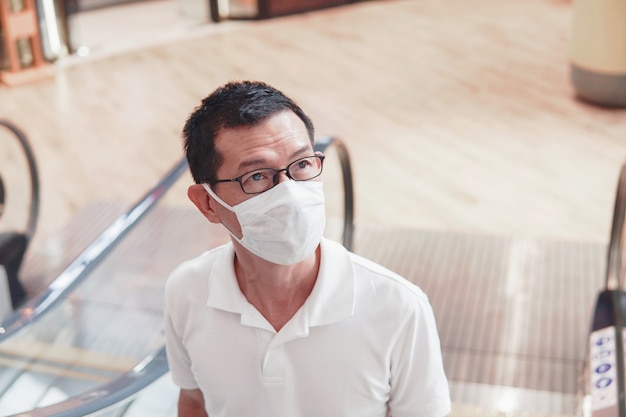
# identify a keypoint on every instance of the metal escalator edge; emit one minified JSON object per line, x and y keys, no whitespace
{"x":118,"y":391}
{"x":79,"y":269}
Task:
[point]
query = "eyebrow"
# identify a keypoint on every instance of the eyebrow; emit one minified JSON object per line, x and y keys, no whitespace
{"x":258,"y":162}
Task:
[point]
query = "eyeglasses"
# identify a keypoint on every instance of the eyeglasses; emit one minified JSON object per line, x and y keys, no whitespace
{"x":260,"y":180}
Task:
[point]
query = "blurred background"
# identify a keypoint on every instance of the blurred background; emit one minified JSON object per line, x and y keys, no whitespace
{"x":494,"y":119}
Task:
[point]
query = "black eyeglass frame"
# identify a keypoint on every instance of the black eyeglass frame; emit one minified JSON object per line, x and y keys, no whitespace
{"x":275,"y":177}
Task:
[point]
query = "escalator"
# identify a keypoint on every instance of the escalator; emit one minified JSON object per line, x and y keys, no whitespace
{"x":603,"y":387}
{"x":19,"y":210}
{"x":92,"y":340}
{"x":95,"y":332}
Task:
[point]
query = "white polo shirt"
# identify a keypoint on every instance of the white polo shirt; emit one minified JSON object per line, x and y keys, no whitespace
{"x":364,"y":341}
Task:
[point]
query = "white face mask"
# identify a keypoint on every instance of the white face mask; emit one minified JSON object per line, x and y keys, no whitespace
{"x":284,"y":224}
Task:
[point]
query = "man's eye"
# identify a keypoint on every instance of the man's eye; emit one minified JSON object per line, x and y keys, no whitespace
{"x":304,"y":164}
{"x":257,"y":176}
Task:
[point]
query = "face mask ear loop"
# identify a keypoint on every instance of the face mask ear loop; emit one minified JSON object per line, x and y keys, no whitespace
{"x":223,"y":204}
{"x":216,"y":198}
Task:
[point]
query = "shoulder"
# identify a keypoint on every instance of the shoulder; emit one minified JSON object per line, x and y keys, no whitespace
{"x":199,"y":264}
{"x":190,"y":278}
{"x":386,"y":282}
{"x":377,"y":288}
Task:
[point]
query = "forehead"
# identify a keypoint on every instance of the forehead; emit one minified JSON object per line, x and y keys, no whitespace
{"x":270,"y":142}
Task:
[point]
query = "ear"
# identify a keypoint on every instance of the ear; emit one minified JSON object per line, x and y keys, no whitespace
{"x":199,"y":197}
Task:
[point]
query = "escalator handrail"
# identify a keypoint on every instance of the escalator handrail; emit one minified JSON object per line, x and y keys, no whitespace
{"x":116,"y":392}
{"x":88,"y":258}
{"x":614,"y":284}
{"x":33,"y":212}
{"x":321,"y":144}
{"x":125,"y":387}
{"x":614,"y":280}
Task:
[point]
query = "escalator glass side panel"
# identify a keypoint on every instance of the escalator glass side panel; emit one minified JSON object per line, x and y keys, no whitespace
{"x":109,"y":323}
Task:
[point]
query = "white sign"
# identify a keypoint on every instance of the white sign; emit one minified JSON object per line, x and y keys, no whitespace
{"x":603,"y":373}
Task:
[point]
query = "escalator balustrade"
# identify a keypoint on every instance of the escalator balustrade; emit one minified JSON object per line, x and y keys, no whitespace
{"x":15,"y":239}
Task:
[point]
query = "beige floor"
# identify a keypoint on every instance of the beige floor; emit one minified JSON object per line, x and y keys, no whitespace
{"x":459,"y":115}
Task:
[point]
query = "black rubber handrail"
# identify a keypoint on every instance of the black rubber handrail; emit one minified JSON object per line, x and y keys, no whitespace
{"x":33,"y":212}
{"x":79,"y":269}
{"x":614,"y":273}
{"x":615,"y":269}
{"x":321,"y":144}
{"x":126,"y":386}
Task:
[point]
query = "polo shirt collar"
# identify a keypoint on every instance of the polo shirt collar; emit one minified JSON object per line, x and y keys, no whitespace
{"x":224,"y":292}
{"x":332,"y":298}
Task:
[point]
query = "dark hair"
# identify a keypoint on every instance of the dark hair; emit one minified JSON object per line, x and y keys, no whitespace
{"x":236,"y":104}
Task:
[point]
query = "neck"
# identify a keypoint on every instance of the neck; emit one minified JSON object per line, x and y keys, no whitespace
{"x":276,"y":291}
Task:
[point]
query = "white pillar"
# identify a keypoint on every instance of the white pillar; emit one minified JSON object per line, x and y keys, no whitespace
{"x":598,"y":51}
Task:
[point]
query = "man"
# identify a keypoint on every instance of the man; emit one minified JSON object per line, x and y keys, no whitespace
{"x":282,"y":322}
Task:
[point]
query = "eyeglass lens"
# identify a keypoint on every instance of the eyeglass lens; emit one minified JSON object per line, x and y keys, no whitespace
{"x":263,"y":179}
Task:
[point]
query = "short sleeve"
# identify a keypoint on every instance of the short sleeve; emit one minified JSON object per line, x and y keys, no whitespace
{"x":419,"y":387}
{"x":177,"y":357}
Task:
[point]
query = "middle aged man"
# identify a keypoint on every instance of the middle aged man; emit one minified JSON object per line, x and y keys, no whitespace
{"x":281,"y":322}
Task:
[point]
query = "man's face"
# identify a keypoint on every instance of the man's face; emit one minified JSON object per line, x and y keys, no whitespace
{"x":275,"y":143}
